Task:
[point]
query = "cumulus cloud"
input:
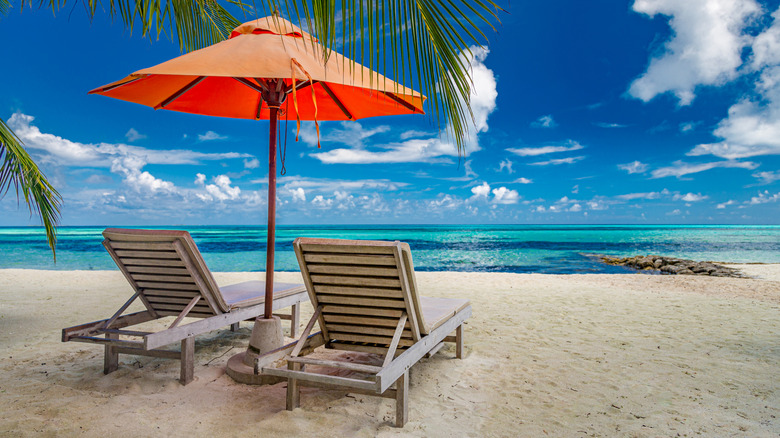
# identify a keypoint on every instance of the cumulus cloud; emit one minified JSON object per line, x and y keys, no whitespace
{"x":503,"y":195}
{"x":210,"y":136}
{"x":571,"y":145}
{"x":481,"y":191}
{"x":764,"y":198}
{"x":558,"y":161}
{"x":221,"y":190}
{"x":133,"y":135}
{"x":298,"y":194}
{"x":422,"y":150}
{"x":726,"y":204}
{"x":679,"y":168}
{"x":708,"y":37}
{"x":633,"y":167}
{"x":690,"y":197}
{"x":141,"y":181}
{"x":544,"y":122}
{"x":58,"y":150}
{"x":522,"y":180}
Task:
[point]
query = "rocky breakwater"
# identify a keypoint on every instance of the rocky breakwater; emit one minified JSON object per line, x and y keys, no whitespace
{"x":671,"y":265}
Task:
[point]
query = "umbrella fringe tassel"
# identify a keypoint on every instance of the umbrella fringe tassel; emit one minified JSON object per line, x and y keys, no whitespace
{"x":294,"y":63}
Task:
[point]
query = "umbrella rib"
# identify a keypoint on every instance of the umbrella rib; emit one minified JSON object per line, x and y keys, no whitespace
{"x":338,"y":101}
{"x":249,"y":84}
{"x":401,"y":101}
{"x":179,"y":93}
{"x":111,"y":87}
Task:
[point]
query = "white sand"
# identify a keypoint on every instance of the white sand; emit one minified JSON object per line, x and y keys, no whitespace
{"x":564,"y":356}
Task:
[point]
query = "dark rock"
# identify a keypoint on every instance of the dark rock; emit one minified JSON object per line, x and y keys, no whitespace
{"x":671,"y":265}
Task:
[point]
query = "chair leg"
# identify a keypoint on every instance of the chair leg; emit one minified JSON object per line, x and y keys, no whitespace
{"x":293,"y":389}
{"x":401,"y":400}
{"x":235,"y":326}
{"x":111,"y":359}
{"x":459,"y":342}
{"x":295,"y":320}
{"x":187,"y":360}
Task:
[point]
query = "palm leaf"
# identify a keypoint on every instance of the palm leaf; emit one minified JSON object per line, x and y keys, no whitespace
{"x":19,"y":171}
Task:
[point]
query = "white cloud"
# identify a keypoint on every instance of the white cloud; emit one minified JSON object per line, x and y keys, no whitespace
{"x":767,"y":177}
{"x":254,"y":163}
{"x":690,"y":197}
{"x":65,"y":152}
{"x":210,"y":136}
{"x":503,"y":195}
{"x":764,"y":198}
{"x":571,"y":145}
{"x":221,"y":190}
{"x":575,"y":208}
{"x":447,"y":202}
{"x":142,"y":182}
{"x":558,"y":161}
{"x":705,"y":48}
{"x":522,"y":180}
{"x":133,"y":135}
{"x":575,"y":189}
{"x":424,"y":150}
{"x":200,"y":179}
{"x":506,"y":164}
{"x":675,"y":212}
{"x":352,"y":134}
{"x":633,"y":167}
{"x":680,"y":168}
{"x":412,"y":133}
{"x":544,"y":122}
{"x":298,"y":194}
{"x":725,"y":204}
{"x":481,"y":191}
{"x":645,"y":195}
{"x":332,"y":185}
{"x":688,"y":126}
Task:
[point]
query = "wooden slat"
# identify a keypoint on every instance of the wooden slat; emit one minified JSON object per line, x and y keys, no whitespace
{"x":358,"y":291}
{"x":346,"y":249}
{"x":172,"y":300}
{"x":147,"y":254}
{"x":199,"y":308}
{"x":362,"y":320}
{"x":170,"y":293}
{"x":144,"y":246}
{"x":368,"y":338}
{"x":156,"y":270}
{"x":363,"y":348}
{"x":363,"y":368}
{"x":352,"y":270}
{"x":355,"y":281}
{"x":322,"y":378}
{"x":367,"y":259}
{"x":124,"y":332}
{"x":163,"y":278}
{"x":368,"y":330}
{"x":362,"y":311}
{"x":151,"y":262}
{"x":360,"y":301}
{"x":158,"y":285}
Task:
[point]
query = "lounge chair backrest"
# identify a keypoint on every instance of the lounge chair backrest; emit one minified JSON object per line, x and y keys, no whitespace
{"x":166,"y":269}
{"x":363,"y":288}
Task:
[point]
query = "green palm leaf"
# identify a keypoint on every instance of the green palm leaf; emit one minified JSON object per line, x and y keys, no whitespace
{"x":19,"y":171}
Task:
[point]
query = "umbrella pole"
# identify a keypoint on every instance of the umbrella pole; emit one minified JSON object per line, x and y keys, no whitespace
{"x":271,"y":242}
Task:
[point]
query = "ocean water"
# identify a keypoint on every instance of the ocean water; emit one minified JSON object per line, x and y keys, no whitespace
{"x":553,"y":249}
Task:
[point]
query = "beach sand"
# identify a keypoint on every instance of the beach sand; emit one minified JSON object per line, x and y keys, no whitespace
{"x":546,"y":355}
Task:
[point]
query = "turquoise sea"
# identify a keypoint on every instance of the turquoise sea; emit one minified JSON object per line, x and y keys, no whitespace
{"x":549,"y":249}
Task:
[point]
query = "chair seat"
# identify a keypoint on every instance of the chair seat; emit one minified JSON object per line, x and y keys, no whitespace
{"x":436,"y":311}
{"x":250,"y":293}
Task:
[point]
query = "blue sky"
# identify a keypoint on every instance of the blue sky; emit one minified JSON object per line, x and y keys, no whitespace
{"x":644,"y":112}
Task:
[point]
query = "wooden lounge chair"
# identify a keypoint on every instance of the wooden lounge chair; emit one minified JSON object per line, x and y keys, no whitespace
{"x":170,"y":278}
{"x":365,"y":299}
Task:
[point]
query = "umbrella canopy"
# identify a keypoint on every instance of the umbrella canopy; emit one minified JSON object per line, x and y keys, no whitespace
{"x":227,"y":79}
{"x":251,"y":75}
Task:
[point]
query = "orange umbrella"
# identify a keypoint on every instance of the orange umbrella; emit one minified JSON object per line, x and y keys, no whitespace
{"x":251,"y":75}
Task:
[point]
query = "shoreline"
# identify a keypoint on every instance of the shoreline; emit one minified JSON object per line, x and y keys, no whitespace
{"x":562,"y":355}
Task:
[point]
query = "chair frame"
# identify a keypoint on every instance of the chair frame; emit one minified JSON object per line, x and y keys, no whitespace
{"x":391,"y":380}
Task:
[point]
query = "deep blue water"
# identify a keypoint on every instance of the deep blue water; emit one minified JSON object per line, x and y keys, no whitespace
{"x":553,"y":249}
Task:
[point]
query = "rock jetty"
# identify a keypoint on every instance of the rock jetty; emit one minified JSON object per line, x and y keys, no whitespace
{"x":671,"y":265}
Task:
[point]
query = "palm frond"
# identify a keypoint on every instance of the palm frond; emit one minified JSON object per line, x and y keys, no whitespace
{"x":19,"y":171}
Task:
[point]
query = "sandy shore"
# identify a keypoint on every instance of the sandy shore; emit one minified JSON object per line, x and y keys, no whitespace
{"x":546,"y":355}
